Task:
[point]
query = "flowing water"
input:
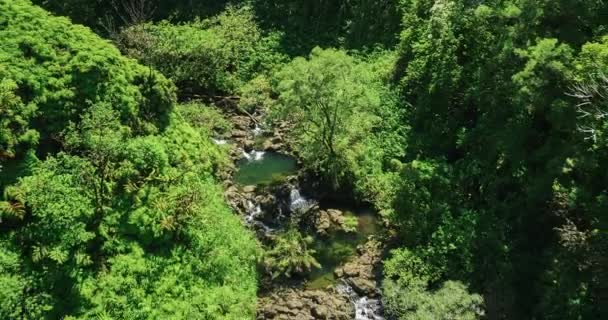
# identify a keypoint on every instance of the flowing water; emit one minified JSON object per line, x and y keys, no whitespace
{"x":365,"y":308}
{"x":259,"y":168}
{"x":219,"y":141}
{"x":299,"y":202}
{"x":257,"y":130}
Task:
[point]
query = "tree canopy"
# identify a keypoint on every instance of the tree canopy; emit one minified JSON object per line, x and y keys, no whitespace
{"x":476,"y":129}
{"x":114,"y":211}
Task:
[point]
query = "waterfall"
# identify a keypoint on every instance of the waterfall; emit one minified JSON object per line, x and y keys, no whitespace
{"x":219,"y":141}
{"x":298,"y":202}
{"x":365,"y":308}
{"x":253,"y":155}
{"x":254,"y":211}
{"x":257,"y":130}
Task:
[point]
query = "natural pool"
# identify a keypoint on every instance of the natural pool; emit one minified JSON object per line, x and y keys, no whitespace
{"x":340,"y":247}
{"x":260,"y":168}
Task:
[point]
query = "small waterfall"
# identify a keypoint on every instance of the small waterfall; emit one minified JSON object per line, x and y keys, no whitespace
{"x":253,"y":212}
{"x":219,"y":141}
{"x":256,"y":130}
{"x":298,"y":202}
{"x":253,"y":155}
{"x":365,"y":308}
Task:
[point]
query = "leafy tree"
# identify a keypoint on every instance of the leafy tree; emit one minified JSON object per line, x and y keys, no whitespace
{"x":450,"y":301}
{"x":354,"y":24}
{"x":205,"y":117}
{"x":12,"y":281}
{"x":498,"y":148}
{"x":331,"y":102}
{"x":410,"y":277}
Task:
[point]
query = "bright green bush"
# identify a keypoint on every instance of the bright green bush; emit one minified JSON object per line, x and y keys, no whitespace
{"x":451,"y":301}
{"x":291,"y":254}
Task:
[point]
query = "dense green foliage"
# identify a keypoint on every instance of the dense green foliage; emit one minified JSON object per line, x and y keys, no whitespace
{"x":335,"y":101}
{"x":476,"y":128}
{"x":43,"y":73}
{"x":503,"y":142}
{"x":360,"y":24}
{"x":414,"y":302}
{"x":217,"y":55}
{"x":110,"y":206}
{"x":305,"y":23}
{"x":504,"y":183}
{"x":290,"y":254}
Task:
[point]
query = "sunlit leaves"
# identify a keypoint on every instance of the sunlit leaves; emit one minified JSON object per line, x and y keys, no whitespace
{"x":451,"y":301}
{"x":54,"y":71}
{"x":14,"y":120}
{"x":121,"y":217}
{"x":332,"y":100}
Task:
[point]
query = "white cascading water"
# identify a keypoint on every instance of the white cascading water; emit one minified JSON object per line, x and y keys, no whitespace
{"x":365,"y":308}
{"x":253,"y":155}
{"x":253,"y":211}
{"x":257,"y":130}
{"x":298,"y":202}
{"x":219,"y":141}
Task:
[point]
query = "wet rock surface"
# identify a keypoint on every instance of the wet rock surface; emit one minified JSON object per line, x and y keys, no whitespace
{"x":327,"y":221}
{"x":306,"y":304}
{"x":362,"y":272}
{"x":355,"y":297}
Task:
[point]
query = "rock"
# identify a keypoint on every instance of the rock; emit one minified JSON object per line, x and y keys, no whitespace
{"x":351,"y":270}
{"x":248,"y":145}
{"x":249,"y":189}
{"x":270,"y":313}
{"x":337,"y":218}
{"x":339,"y":273}
{"x":326,"y":221}
{"x":269,"y":145}
{"x":231,"y":192}
{"x":363,"y":286}
{"x":323,"y":223}
{"x":305,"y":304}
{"x":319,"y":312}
{"x":241,"y":122}
{"x":295,"y":304}
{"x":239,"y":134}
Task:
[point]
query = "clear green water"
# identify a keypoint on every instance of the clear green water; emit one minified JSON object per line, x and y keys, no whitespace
{"x":270,"y":168}
{"x":339,"y":248}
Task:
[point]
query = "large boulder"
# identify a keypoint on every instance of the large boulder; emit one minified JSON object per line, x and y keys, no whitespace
{"x":328,"y":221}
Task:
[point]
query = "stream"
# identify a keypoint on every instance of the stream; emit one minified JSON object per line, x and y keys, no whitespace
{"x":256,"y":169}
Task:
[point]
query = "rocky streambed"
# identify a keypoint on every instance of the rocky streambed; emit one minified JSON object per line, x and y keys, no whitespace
{"x":267,"y":190}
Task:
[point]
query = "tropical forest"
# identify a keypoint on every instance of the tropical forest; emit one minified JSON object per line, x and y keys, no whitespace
{"x":303,"y":159}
